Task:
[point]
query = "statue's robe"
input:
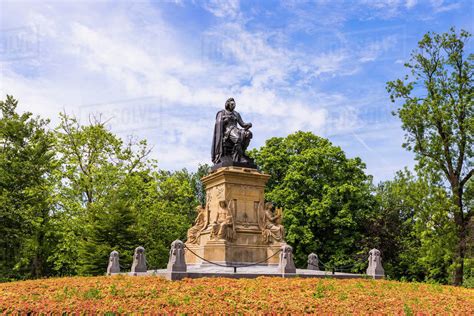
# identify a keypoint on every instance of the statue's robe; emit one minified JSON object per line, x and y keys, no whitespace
{"x":217,"y":140}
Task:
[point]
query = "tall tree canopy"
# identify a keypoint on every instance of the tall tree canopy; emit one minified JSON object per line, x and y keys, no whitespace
{"x":26,"y":165}
{"x":116,"y":199}
{"x":325,"y":195}
{"x":71,"y":195}
{"x":437,"y":114}
{"x":97,"y":187}
{"x":413,"y":227}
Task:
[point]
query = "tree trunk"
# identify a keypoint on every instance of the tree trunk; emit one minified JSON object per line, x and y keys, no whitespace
{"x":462,"y":236}
{"x":38,"y":261}
{"x":460,"y":253}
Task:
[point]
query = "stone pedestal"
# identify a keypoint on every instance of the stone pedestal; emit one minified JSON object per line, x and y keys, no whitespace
{"x":242,"y":189}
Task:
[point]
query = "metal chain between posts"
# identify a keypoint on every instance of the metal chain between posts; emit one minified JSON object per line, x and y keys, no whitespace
{"x":333,"y":269}
{"x":326,"y":267}
{"x":340,"y":268}
{"x":128,"y":267}
{"x":233,"y":266}
{"x":149,"y":267}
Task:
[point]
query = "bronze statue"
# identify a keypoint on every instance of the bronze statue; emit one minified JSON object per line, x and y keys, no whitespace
{"x":229,"y":141}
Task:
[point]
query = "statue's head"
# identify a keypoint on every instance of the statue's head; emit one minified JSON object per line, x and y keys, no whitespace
{"x":230,"y":104}
{"x":313,"y":258}
{"x":286,"y":250}
{"x":223,"y":204}
{"x":374,"y":255}
{"x":269,"y":206}
{"x":177,"y":244}
{"x":114,"y":255}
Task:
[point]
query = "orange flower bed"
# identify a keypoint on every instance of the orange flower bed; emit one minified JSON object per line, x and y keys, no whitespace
{"x":122,"y":294}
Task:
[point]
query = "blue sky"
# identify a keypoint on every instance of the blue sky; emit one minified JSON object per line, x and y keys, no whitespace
{"x":160,"y":70}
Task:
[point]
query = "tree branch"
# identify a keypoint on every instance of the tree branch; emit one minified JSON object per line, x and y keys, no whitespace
{"x":423,"y":152}
{"x":439,"y":127}
{"x":447,"y":152}
{"x":75,"y":150}
{"x":461,"y":117}
{"x":467,"y":177}
{"x":138,"y":160}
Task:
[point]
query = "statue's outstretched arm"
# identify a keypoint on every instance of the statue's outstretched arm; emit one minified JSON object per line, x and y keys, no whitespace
{"x":242,"y":123}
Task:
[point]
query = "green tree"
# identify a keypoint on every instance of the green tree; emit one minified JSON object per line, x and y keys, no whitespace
{"x":117,"y":199}
{"x":98,"y":185}
{"x":413,"y":227}
{"x":326,"y":197}
{"x":198,"y":187}
{"x":26,"y":163}
{"x":165,"y":213}
{"x":437,"y":115}
{"x":112,"y":229}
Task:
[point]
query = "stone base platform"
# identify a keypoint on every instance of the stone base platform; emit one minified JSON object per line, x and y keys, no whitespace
{"x":199,"y":271}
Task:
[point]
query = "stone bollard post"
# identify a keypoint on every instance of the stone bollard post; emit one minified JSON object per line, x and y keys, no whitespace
{"x":375,"y":268}
{"x":139,"y":260}
{"x":286,"y":265}
{"x":114,"y":264}
{"x":313,"y":262}
{"x":176,"y":262}
{"x":176,"y":269}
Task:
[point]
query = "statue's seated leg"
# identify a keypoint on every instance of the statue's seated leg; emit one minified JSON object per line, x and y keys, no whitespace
{"x":233,"y":149}
{"x":235,"y":137}
{"x":214,"y":230}
{"x":238,"y":153}
{"x":246,"y":137}
{"x":221,"y":233}
{"x":228,"y":148}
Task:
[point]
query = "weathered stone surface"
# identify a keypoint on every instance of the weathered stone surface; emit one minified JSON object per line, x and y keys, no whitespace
{"x":313,"y":262}
{"x":234,"y":221}
{"x":223,"y":226}
{"x":199,"y":224}
{"x":375,"y":268}
{"x":114,"y":263}
{"x":177,"y":262}
{"x":139,"y":260}
{"x":286,"y":264}
{"x":272,"y":229}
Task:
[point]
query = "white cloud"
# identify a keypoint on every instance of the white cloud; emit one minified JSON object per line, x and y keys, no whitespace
{"x":410,"y":3}
{"x":440,"y":6}
{"x":103,"y":58}
{"x":222,"y":8}
{"x":376,"y":48}
{"x":89,"y":61}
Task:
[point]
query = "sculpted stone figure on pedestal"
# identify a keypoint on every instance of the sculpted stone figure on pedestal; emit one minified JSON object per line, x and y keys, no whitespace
{"x":223,"y":225}
{"x":200,"y":224}
{"x":176,"y":262}
{"x":313,"y":262}
{"x":286,"y":264}
{"x":375,"y":268}
{"x":114,"y":263}
{"x":139,"y":260}
{"x":230,"y":142}
{"x":272,"y":228}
